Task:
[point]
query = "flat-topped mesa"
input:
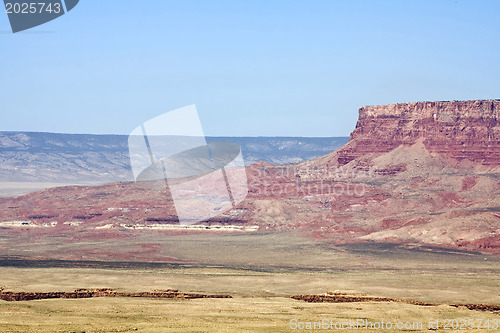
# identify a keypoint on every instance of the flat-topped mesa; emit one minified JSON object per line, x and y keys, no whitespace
{"x":463,"y":130}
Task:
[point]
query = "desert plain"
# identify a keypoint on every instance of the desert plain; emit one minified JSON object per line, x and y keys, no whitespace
{"x":261,"y":272}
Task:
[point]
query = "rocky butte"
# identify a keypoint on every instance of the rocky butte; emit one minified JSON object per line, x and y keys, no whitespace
{"x":463,"y":130}
{"x":426,"y":173}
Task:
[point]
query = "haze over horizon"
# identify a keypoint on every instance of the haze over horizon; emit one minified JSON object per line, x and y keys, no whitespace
{"x":208,"y":136}
{"x":281,"y":68}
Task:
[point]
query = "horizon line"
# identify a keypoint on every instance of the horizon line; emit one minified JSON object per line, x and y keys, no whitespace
{"x":207,"y":136}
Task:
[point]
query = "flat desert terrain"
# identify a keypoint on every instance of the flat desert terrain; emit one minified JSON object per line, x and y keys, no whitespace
{"x":261,"y":272}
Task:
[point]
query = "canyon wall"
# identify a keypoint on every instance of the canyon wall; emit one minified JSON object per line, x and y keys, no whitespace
{"x":462,"y":130}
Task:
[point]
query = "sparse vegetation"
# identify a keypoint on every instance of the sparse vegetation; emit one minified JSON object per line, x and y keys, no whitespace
{"x":261,"y":272}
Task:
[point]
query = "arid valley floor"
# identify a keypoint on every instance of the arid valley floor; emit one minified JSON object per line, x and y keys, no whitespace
{"x":261,"y":272}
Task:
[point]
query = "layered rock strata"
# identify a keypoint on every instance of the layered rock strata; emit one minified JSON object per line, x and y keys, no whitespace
{"x":462,"y":130}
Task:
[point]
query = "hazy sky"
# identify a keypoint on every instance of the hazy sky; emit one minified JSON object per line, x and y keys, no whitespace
{"x":253,"y":68}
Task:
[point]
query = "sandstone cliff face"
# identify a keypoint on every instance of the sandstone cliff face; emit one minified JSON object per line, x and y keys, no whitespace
{"x":468,"y":130}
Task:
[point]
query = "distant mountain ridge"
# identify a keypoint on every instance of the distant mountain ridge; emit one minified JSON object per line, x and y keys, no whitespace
{"x":89,"y":158}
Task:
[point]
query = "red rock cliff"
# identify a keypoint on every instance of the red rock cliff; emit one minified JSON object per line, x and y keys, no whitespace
{"x":462,"y":130}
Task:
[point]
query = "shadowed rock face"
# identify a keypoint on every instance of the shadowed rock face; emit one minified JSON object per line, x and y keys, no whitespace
{"x":468,"y":130}
{"x":345,"y":298}
{"x":13,"y":296}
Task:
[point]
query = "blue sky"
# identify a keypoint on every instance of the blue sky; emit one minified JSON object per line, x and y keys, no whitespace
{"x":253,"y":68}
